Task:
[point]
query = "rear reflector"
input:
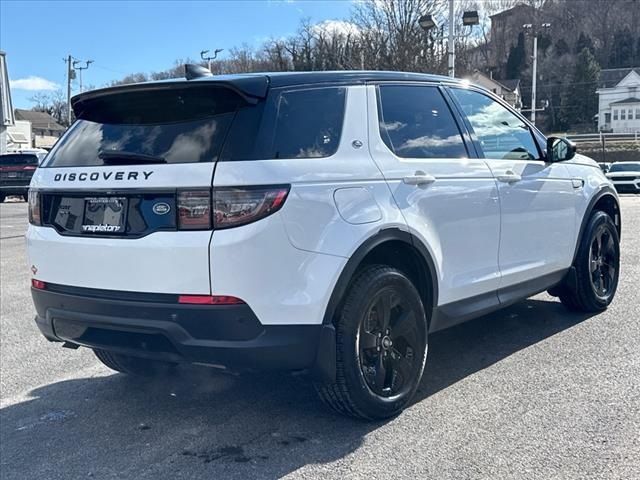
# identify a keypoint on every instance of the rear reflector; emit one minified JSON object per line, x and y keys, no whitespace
{"x":209,"y":300}
{"x":38,"y":284}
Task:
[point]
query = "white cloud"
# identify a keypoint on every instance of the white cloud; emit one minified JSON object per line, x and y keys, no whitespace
{"x":336,"y":27}
{"x":33,"y":83}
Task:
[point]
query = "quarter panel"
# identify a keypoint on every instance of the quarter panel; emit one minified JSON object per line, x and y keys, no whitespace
{"x":281,"y":284}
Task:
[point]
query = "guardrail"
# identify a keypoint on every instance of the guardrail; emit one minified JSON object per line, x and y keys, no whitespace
{"x":609,"y":147}
{"x":604,"y":138}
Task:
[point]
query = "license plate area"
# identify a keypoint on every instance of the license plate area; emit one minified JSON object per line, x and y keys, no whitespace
{"x":105,"y":215}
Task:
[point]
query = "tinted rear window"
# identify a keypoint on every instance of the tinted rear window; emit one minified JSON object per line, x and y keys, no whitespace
{"x":309,"y":123}
{"x":415,"y":122}
{"x":178,"y":125}
{"x":15,"y":159}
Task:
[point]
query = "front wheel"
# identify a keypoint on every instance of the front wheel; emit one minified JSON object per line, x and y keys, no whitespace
{"x":597,"y":266}
{"x":381,"y":346}
{"x":132,"y":365}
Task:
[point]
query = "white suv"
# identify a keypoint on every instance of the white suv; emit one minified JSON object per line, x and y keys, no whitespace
{"x":326,"y":222}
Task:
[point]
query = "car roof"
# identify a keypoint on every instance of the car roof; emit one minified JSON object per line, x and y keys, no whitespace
{"x":285,"y":79}
{"x":256,"y":85}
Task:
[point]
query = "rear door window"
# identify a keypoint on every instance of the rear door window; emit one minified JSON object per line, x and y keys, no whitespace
{"x":163,"y":126}
{"x":415,"y":122}
{"x":309,"y":122}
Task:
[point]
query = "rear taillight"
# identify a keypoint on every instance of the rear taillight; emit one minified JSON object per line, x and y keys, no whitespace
{"x":194,"y":209}
{"x":34,"y":208}
{"x":209,"y":300}
{"x":237,"y":206}
{"x":29,"y":167}
{"x":38,"y":284}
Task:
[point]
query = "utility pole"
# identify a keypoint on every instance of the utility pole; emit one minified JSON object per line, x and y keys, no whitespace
{"x":70,"y":76}
{"x":451,"y":41}
{"x":203,"y":54}
{"x":76,"y":67}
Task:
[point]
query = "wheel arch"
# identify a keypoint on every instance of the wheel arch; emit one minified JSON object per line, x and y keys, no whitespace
{"x":372,"y":250}
{"x":383,"y":247}
{"x":604,"y":200}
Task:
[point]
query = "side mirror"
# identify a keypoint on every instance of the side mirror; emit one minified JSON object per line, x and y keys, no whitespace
{"x":560,"y":149}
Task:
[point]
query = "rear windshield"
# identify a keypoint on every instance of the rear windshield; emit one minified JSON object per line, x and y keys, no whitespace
{"x":165,"y":126}
{"x":625,"y":167}
{"x":18,"y":159}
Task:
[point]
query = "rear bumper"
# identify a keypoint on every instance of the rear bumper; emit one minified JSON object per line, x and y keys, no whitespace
{"x":154,"y":326}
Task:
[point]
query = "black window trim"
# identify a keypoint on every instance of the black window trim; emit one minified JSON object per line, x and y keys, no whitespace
{"x":458,"y":119}
{"x":536,"y":135}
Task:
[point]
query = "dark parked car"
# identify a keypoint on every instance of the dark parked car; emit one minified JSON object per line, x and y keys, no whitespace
{"x":16,"y":170}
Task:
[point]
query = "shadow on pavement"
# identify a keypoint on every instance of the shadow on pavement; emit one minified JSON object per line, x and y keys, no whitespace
{"x":203,"y":423}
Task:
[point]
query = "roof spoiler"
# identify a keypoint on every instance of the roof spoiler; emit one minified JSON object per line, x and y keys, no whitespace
{"x":192,"y":70}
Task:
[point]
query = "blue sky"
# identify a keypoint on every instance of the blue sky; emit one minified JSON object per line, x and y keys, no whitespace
{"x":125,"y":37}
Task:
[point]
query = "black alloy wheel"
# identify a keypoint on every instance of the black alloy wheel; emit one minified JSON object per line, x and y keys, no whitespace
{"x":602,"y":262}
{"x":387,"y":343}
{"x":381,"y":345}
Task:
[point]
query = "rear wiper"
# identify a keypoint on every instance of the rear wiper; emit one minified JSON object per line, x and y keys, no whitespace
{"x":121,"y":157}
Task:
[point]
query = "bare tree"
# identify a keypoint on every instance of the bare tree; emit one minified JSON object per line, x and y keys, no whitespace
{"x":54,"y":103}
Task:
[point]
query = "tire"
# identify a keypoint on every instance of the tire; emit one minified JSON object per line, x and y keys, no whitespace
{"x":2,"y":198}
{"x":132,"y":365}
{"x":362,"y":388}
{"x":25,"y":197}
{"x":597,"y":266}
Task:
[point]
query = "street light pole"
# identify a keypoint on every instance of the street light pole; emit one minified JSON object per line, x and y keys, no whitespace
{"x":80,"y":69}
{"x":469,"y":19}
{"x":534,"y":70}
{"x":534,"y":79}
{"x":452,"y":44}
{"x":203,"y":55}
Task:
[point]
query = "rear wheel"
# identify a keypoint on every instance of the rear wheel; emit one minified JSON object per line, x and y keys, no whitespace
{"x":597,"y":267}
{"x":132,"y":365}
{"x":2,"y":198}
{"x":25,"y":197}
{"x":381,"y":346}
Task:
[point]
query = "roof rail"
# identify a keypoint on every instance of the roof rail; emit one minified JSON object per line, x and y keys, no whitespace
{"x":192,"y":71}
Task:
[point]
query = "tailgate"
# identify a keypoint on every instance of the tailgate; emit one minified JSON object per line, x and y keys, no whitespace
{"x":123,"y":201}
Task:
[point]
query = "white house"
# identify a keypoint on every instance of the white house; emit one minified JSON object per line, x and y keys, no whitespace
{"x":619,"y":100}
{"x":509,"y":90}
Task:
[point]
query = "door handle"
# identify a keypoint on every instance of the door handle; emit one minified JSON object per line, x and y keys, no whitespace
{"x":509,"y":177}
{"x":419,"y":178}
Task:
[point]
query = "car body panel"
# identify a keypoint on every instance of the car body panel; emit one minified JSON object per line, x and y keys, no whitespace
{"x":537,"y":228}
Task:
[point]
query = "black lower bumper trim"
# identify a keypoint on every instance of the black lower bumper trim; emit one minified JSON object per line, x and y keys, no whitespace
{"x":229,"y":336}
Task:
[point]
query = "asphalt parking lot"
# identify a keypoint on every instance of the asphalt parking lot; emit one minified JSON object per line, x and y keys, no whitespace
{"x":529,"y":392}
